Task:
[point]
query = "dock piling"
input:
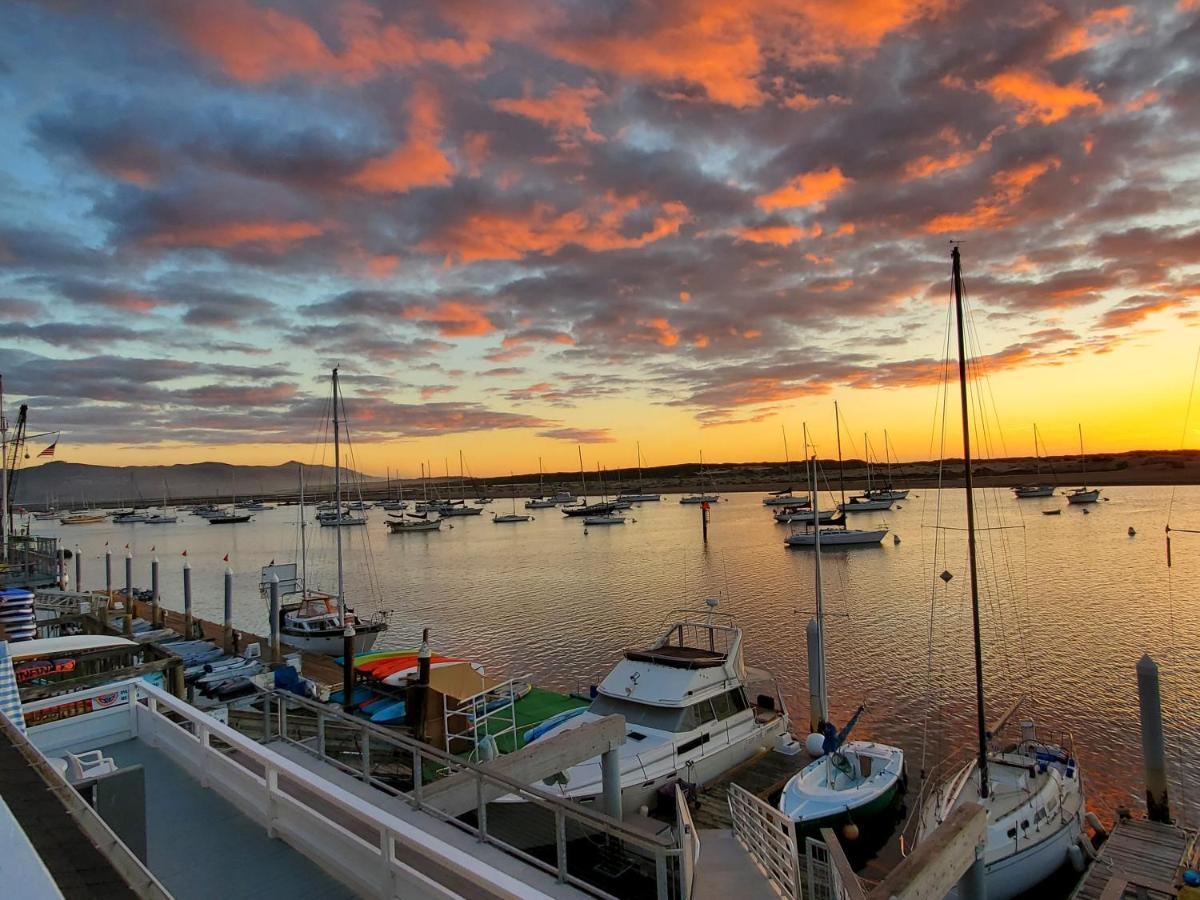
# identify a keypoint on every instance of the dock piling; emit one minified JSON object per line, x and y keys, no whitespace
{"x":1154,"y":757}
{"x":107,"y":570}
{"x":78,"y":569}
{"x":228,"y":621}
{"x":155,"y":599}
{"x":610,"y":780}
{"x":128,"y":620}
{"x":704,"y":520}
{"x":188,"y":626}
{"x":274,"y":588}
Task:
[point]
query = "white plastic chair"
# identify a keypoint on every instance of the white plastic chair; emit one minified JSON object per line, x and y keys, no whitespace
{"x":88,"y":764}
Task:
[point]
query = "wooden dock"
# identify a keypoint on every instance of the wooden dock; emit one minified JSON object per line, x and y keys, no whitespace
{"x":762,"y":775}
{"x":315,"y":666}
{"x":1141,"y":860}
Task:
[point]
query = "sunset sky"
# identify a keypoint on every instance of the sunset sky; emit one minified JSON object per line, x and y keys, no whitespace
{"x":518,"y":225}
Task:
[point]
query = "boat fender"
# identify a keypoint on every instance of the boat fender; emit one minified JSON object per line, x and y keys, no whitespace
{"x":850,"y":831}
{"x":1097,"y":826}
{"x":1075,"y":854}
{"x":815,"y":745}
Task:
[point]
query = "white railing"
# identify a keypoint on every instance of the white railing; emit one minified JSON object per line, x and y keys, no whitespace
{"x":830,"y":876}
{"x":541,"y":822}
{"x":689,"y":844}
{"x":374,"y":852}
{"x":769,"y":837}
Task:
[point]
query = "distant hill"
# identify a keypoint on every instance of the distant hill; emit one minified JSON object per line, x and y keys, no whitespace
{"x":71,"y":484}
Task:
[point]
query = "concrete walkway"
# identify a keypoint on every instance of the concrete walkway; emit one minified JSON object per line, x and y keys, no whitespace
{"x":726,"y":870}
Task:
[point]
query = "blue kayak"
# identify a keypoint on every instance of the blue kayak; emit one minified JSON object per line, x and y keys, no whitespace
{"x":393,"y":712}
{"x":551,"y":723}
{"x":360,"y":695}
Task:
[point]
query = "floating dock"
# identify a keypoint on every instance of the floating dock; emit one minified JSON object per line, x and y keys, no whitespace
{"x":761,"y":775}
{"x":1141,"y":860}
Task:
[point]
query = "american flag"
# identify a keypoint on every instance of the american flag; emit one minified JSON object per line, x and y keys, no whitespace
{"x":49,"y":451}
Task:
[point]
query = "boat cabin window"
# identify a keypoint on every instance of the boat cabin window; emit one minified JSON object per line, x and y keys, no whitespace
{"x":659,"y":718}
{"x":730,"y":703}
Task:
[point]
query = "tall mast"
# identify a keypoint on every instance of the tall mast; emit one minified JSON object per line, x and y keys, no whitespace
{"x":1036,"y":456}
{"x":582,"y":478}
{"x":815,"y":500}
{"x":956,"y":268}
{"x":303,"y":540}
{"x":639,"y":451}
{"x":867,"y":454}
{"x":337,"y":499}
{"x":541,"y":486}
{"x":837,"y":420}
{"x":887,"y":460}
{"x":462,"y":484}
{"x":1082,"y":458}
{"x":3,"y":475}
{"x":787,"y":459}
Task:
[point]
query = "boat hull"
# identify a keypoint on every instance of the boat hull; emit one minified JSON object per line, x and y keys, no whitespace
{"x":1028,"y":492}
{"x":332,"y":644}
{"x":846,"y":538}
{"x":1079,"y":497}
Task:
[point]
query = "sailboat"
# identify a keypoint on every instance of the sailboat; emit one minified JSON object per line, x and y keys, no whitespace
{"x":1083,"y":494}
{"x":584,"y":509}
{"x":612,"y":517}
{"x":641,"y":496}
{"x":785,"y":497}
{"x":541,"y":501}
{"x":1031,"y":791}
{"x":850,"y":781}
{"x":513,"y":516}
{"x":459,"y":508}
{"x":840,"y":535}
{"x":320,"y":622}
{"x":167,"y":516}
{"x":889,"y":491}
{"x":1038,"y":488}
{"x":869,"y":500}
{"x":701,"y":497}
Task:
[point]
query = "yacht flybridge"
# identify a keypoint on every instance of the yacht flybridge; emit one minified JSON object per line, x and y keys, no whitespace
{"x":693,"y":710}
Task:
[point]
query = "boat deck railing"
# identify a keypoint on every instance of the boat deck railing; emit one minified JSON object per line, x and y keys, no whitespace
{"x":373,"y":850}
{"x":29,"y":562}
{"x":580,"y":847}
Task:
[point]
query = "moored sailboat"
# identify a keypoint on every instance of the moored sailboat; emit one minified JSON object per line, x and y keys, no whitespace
{"x":1032,"y":792}
{"x":1038,"y":488}
{"x":1083,"y":494}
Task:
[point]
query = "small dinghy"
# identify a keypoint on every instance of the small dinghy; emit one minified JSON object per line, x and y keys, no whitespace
{"x":1051,"y":512}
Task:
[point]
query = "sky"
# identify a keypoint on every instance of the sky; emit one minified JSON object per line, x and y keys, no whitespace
{"x":524,"y":227}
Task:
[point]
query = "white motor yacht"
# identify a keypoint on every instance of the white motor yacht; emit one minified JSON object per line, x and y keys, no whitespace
{"x":693,"y":710}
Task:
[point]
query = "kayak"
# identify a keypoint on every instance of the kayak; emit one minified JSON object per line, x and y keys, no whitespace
{"x":399,"y":676}
{"x":362,"y":658}
{"x":551,"y":723}
{"x":393,"y":712}
{"x":358,"y":695}
{"x":388,"y":667}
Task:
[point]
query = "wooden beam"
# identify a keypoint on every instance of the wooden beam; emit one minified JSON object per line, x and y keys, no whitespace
{"x":851,"y":887}
{"x":456,"y":794}
{"x":939,"y":861}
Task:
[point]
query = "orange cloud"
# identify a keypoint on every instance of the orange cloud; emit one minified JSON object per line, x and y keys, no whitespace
{"x":453,"y":318}
{"x":661,"y":331}
{"x":1095,"y":28}
{"x":1135,"y":309}
{"x":1038,"y":98}
{"x":564,"y":110}
{"x":1008,"y":187}
{"x":419,"y":161}
{"x":269,"y":234}
{"x":780,"y":235}
{"x":808,"y":189}
{"x":495,"y":234}
{"x":254,"y":45}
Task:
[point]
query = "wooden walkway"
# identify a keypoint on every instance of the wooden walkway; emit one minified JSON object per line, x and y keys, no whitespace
{"x":316,"y":666}
{"x":1141,"y":859}
{"x":761,"y":775}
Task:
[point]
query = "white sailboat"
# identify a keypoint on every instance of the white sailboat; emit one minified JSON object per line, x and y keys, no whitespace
{"x":317,"y":621}
{"x":640,"y":496}
{"x":1038,"y":488}
{"x":514,"y":516}
{"x":869,"y":500}
{"x":1083,"y":494}
{"x":611,"y":517}
{"x":1031,"y":791}
{"x":541,"y":501}
{"x":167,"y":516}
{"x":850,"y":781}
{"x":785,"y":497}
{"x":840,"y":535}
{"x":889,"y":491}
{"x":703,"y":496}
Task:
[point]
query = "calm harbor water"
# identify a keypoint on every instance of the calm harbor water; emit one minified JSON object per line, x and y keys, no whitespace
{"x":1071,"y":602}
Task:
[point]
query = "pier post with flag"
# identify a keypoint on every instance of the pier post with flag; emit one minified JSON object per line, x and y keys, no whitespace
{"x":230,"y":644}
{"x":274,"y":630}
{"x":187,"y":598}
{"x":155,"y":600}
{"x":107,"y":569}
{"x":78,"y":569}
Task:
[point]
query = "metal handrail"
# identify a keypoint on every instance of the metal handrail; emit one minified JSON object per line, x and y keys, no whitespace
{"x":665,"y":853}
